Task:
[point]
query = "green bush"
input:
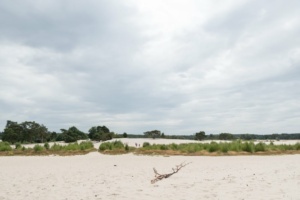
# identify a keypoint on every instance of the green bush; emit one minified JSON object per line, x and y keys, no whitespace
{"x":146,"y":144}
{"x":163,"y":147}
{"x":56,"y":147}
{"x":260,"y":147}
{"x":248,"y":147}
{"x":235,"y":146}
{"x":191,"y":149}
{"x":117,"y":145}
{"x":105,"y":146}
{"x":285,"y":147}
{"x":213,"y":147}
{"x":174,"y":146}
{"x":297,"y":146}
{"x":72,"y":147}
{"x":5,"y":146}
{"x":18,"y":145}
{"x":126,"y":147}
{"x":86,"y":145}
{"x":46,"y":145}
{"x":38,"y":148}
{"x":224,"y":147}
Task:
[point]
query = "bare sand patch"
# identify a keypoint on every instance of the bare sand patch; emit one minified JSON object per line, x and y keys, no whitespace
{"x":98,"y":176}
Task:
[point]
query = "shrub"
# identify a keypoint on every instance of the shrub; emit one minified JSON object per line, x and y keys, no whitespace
{"x":117,"y":145}
{"x":236,"y":146}
{"x":105,"y":146}
{"x":56,"y":147}
{"x":224,"y":147}
{"x":5,"y":146}
{"x":18,"y":145}
{"x":213,"y":147}
{"x":163,"y":147}
{"x":86,"y":145}
{"x":174,"y":146}
{"x":72,"y":147}
{"x":38,"y":148}
{"x":260,"y":147}
{"x":297,"y":146}
{"x":146,"y":144}
{"x":126,"y":147}
{"x":248,"y":147}
{"x":191,"y":149}
{"x":46,"y":145}
{"x":285,"y":147}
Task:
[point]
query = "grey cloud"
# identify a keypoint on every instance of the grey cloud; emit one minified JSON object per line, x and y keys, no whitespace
{"x":88,"y":63}
{"x":63,"y":25}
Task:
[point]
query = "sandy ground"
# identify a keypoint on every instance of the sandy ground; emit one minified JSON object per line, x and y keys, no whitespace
{"x":97,"y":176}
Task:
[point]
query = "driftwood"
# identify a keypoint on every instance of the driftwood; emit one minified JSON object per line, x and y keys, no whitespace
{"x":159,"y":177}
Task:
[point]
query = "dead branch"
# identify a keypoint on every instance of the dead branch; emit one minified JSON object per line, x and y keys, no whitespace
{"x":159,"y":177}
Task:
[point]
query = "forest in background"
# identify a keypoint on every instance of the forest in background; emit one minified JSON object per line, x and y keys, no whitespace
{"x":33,"y":132}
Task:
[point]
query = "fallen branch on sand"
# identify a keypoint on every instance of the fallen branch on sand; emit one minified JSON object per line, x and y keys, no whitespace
{"x":159,"y":177}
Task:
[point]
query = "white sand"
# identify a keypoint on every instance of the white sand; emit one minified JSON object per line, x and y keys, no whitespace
{"x":97,"y":176}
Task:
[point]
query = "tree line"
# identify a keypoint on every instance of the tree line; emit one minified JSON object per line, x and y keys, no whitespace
{"x":33,"y":132}
{"x":228,"y":136}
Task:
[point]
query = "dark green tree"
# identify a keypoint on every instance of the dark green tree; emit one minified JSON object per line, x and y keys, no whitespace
{"x":226,"y":136}
{"x":25,"y":132}
{"x":200,"y":135}
{"x":100,"y":133}
{"x":153,"y":134}
{"x":73,"y":134}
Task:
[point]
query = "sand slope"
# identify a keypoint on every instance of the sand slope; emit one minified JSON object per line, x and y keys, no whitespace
{"x":97,"y":176}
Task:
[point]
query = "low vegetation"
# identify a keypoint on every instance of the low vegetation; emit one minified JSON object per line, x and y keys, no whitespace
{"x":115,"y":147}
{"x":237,"y":147}
{"x":56,"y":149}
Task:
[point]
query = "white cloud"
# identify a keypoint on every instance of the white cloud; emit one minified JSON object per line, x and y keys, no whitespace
{"x":177,"y":66}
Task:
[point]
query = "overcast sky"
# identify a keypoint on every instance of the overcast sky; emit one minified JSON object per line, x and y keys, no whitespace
{"x":179,"y":66}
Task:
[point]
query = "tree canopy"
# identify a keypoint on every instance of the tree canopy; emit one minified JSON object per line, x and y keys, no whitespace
{"x":100,"y":133}
{"x":226,"y":136}
{"x":73,"y":134}
{"x":200,"y":135}
{"x":28,"y":131}
{"x":154,"y":134}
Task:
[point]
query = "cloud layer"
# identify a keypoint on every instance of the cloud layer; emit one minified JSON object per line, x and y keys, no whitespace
{"x":134,"y":66}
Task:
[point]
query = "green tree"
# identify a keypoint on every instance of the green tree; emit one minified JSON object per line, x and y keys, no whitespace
{"x":100,"y":133}
{"x":154,"y":134}
{"x":200,"y":135}
{"x":73,"y":134}
{"x":25,"y":132}
{"x":125,"y":135}
{"x":34,"y":132}
{"x":226,"y":136}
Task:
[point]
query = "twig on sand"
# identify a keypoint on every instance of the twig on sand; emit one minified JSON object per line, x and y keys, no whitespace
{"x":159,"y":177}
